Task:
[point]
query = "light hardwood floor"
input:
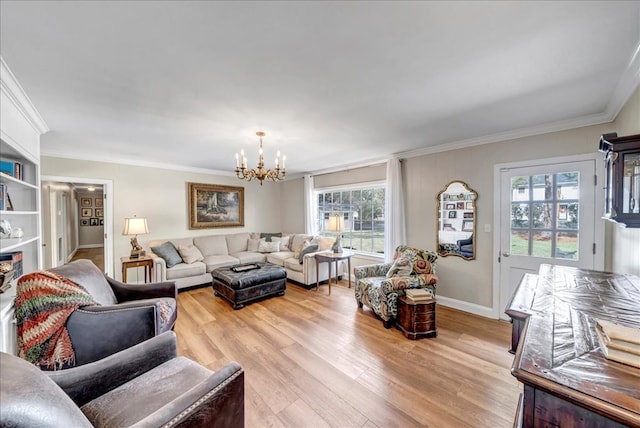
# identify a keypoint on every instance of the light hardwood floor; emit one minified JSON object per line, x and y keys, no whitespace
{"x":96,"y":255}
{"x":313,"y":360}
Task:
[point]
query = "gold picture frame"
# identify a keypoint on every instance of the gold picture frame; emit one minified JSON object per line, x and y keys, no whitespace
{"x":213,"y":205}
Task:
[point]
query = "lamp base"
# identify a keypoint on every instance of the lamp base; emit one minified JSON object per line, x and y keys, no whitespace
{"x":337,"y":246}
{"x":136,"y":254}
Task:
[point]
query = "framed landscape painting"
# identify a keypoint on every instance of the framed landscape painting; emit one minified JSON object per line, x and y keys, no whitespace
{"x":213,"y":205}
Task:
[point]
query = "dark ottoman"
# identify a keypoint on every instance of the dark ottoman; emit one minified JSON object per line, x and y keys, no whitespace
{"x":242,"y":286}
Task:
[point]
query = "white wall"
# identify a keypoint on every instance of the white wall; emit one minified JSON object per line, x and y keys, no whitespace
{"x":162,"y":195}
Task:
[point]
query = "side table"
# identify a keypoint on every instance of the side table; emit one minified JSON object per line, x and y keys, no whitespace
{"x":128,"y":263}
{"x":332,"y":257}
{"x":416,"y":320}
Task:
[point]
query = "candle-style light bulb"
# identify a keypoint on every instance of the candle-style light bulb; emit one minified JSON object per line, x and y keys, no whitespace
{"x":237,"y":160}
{"x":284,"y":160}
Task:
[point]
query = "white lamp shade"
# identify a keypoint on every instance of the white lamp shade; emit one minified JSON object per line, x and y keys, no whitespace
{"x":336,"y":223}
{"x":135,"y":226}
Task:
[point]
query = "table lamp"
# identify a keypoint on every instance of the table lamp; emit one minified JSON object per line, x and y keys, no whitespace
{"x":336,"y":224}
{"x":135,"y":226}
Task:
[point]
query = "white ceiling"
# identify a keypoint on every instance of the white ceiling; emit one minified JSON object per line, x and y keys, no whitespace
{"x":331,"y":83}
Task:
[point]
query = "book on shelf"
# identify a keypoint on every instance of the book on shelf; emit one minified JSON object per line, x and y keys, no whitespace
{"x":11,"y":168}
{"x":419,"y":295}
{"x":5,"y":199}
{"x":619,"y":343}
{"x":15,"y":258}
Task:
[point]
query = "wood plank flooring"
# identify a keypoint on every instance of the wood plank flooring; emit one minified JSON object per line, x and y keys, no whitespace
{"x":314,"y":360}
{"x":96,"y":255}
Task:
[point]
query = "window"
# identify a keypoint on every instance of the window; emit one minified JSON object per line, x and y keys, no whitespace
{"x":362,"y":208}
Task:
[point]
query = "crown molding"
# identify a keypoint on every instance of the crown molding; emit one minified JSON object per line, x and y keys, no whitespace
{"x":122,"y":161}
{"x":627,"y":85}
{"x":11,"y":88}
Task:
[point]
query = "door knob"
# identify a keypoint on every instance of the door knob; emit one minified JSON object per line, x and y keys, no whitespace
{"x":505,"y":254}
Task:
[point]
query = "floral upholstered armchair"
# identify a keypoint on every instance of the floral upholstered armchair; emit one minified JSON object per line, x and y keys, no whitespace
{"x":379,"y":286}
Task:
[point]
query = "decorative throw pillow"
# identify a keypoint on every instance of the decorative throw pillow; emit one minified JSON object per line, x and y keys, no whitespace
{"x":311,"y":248}
{"x":401,"y":267}
{"x":268,"y":247}
{"x":169,"y":253}
{"x":304,"y":244}
{"x":252,"y":245}
{"x":268,"y":236}
{"x":284,"y":242}
{"x":190,"y":253}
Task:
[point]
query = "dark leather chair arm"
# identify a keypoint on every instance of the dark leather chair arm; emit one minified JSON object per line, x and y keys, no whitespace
{"x":219,"y":398}
{"x":126,"y":292}
{"x":99,"y":331}
{"x":465,"y":241}
{"x":86,"y":382}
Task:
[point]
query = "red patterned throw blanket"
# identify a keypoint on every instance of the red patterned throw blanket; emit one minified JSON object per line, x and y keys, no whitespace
{"x":44,"y":302}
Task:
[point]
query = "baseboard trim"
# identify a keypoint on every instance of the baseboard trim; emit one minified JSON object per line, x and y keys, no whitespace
{"x":91,"y":246}
{"x":483,"y":311}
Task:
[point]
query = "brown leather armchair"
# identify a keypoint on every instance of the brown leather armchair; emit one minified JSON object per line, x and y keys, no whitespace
{"x":127,"y":314}
{"x":145,"y":385}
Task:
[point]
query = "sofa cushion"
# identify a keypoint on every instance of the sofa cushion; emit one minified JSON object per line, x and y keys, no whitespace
{"x":252,"y":245}
{"x":304,"y":244}
{"x":268,"y":235}
{"x":213,"y":262}
{"x":324,"y":242}
{"x":279,"y":257}
{"x":190,"y":253}
{"x":401,"y":267}
{"x":296,"y":240}
{"x":169,"y":253}
{"x":249,"y":257}
{"x":237,"y":242}
{"x":284,"y":242}
{"x":184,"y":270}
{"x":293,"y":264}
{"x":311,"y":248}
{"x":212,"y":245}
{"x":268,"y":247}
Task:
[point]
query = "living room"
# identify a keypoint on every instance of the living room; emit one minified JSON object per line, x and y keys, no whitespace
{"x":158,"y":192}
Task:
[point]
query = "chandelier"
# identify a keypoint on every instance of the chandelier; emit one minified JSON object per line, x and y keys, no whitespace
{"x":259,"y":173}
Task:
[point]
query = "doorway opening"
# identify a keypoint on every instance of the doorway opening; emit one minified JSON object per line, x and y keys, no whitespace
{"x":77,"y":221}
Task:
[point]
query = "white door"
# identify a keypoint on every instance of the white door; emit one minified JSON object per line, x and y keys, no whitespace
{"x":547,"y":215}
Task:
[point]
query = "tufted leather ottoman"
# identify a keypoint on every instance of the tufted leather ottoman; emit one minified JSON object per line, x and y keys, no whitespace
{"x":240,"y":287}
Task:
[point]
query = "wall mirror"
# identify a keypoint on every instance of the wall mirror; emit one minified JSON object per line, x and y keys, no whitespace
{"x":456,"y":234}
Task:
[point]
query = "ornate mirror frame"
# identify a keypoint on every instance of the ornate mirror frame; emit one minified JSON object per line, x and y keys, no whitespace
{"x":456,"y":220}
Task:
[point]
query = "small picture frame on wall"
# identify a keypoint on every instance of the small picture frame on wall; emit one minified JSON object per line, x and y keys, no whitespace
{"x":86,"y":202}
{"x":99,"y":202}
{"x":467,"y":215}
{"x":448,"y":227}
{"x":87,"y":212}
{"x":459,"y":205}
{"x":93,"y":221}
{"x":468,"y":205}
{"x":452,"y":214}
{"x":450,"y":206}
{"x":101,"y":222}
{"x":467,"y":225}
{"x":99,"y":212}
{"x":84,"y":222}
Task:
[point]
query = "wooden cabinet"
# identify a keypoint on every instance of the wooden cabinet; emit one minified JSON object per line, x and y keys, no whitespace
{"x":622,"y":186}
{"x":20,"y":130}
{"x":417,"y":320}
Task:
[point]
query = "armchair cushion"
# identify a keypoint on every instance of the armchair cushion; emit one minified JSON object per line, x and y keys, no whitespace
{"x":401,"y":267}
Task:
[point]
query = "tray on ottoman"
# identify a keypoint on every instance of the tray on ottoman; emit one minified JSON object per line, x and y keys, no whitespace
{"x":240,"y":286}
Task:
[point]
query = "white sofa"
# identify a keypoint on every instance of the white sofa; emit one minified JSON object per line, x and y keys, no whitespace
{"x":231,"y":249}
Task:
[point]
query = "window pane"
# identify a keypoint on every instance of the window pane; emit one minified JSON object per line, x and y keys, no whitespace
{"x":568,"y":216}
{"x":567,"y":245}
{"x":567,"y":185}
{"x":542,"y":187}
{"x":542,"y":216}
{"x":631,"y":183}
{"x":519,"y":215}
{"x":520,"y":242}
{"x":541,"y":244}
{"x":520,"y":188}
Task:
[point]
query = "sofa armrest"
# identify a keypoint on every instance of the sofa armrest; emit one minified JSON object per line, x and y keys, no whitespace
{"x":99,"y":331}
{"x":127,"y":292}
{"x":367,"y":271}
{"x":217,"y":401}
{"x":84,"y":383}
{"x":159,"y":270}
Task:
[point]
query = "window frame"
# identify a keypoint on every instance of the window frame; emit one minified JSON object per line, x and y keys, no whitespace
{"x":322,"y":215}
